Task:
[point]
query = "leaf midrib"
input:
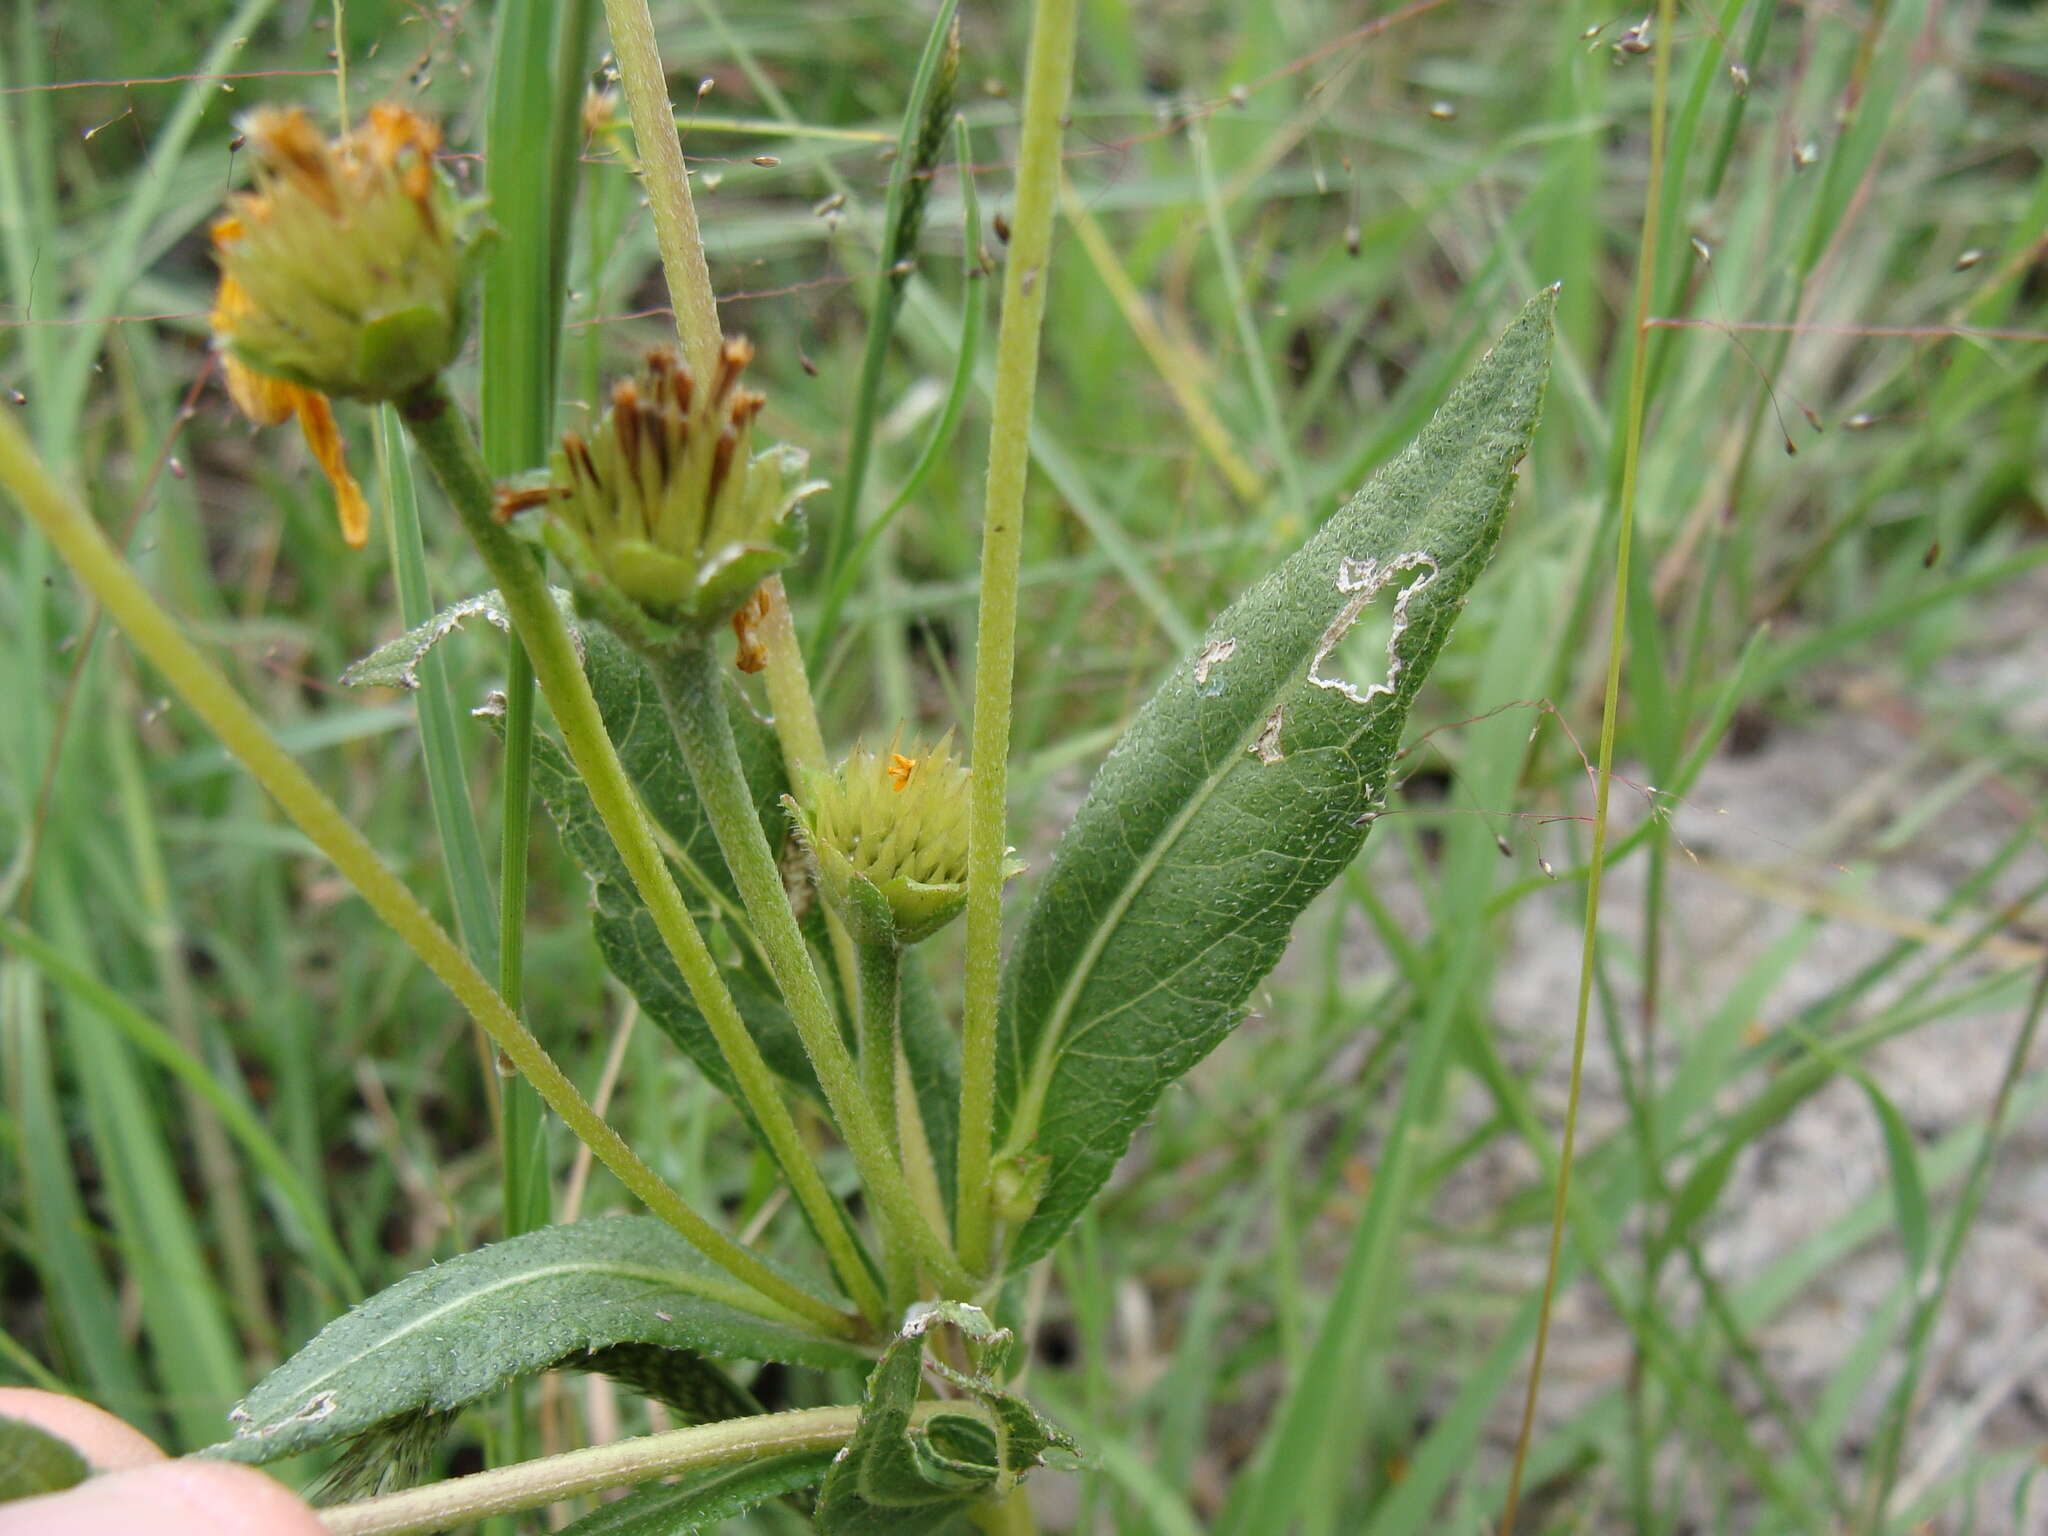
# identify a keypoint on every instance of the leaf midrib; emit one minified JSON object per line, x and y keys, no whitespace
{"x":1024,"y":1124}
{"x":699,"y":1285}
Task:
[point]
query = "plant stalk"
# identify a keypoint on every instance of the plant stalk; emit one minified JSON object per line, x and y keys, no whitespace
{"x":529,"y":1485}
{"x":881,"y":977}
{"x":200,"y":684}
{"x":881,"y":991}
{"x":687,"y":678}
{"x":796,"y":727}
{"x":1596,"y":862}
{"x":1048,"y":80}
{"x":444,"y":437}
{"x":668,"y":182}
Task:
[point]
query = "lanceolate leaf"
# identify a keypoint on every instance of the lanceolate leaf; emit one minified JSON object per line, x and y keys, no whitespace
{"x":700,"y":1502}
{"x":444,"y":1337}
{"x":911,"y":1468}
{"x":1242,"y":789}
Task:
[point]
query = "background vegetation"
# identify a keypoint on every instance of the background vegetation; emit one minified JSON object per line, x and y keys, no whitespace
{"x":233,"y":1105}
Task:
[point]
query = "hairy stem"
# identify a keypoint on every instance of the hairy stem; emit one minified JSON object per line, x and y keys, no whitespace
{"x":668,"y":182}
{"x":881,"y":990}
{"x":1049,"y":76}
{"x":445,"y":440}
{"x":700,"y":1448}
{"x":881,"y":974}
{"x":796,"y":727}
{"x":237,"y":727}
{"x":688,"y":679}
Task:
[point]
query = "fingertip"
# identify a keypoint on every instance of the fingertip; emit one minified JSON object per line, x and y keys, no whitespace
{"x":230,"y":1500}
{"x":107,"y":1444}
{"x":171,"y":1498}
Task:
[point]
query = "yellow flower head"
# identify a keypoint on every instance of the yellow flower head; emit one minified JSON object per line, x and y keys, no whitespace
{"x":343,"y":269}
{"x":889,"y":833}
{"x":661,"y":510}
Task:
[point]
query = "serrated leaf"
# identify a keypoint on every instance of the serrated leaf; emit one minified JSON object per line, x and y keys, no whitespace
{"x":33,"y":1461}
{"x":444,"y":1337}
{"x":694,"y":1503}
{"x":395,"y":663}
{"x":1244,"y":786}
{"x":913,"y":1467}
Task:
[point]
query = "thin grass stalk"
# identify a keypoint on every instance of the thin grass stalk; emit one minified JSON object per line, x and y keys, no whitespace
{"x":1596,"y":862}
{"x":226,"y":1190}
{"x":917,"y":146}
{"x":1049,"y":74}
{"x":455,"y":833}
{"x":1279,"y":442}
{"x":1876,"y":1513}
{"x":208,"y":693}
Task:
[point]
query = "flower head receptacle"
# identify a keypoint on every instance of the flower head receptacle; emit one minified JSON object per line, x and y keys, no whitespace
{"x":889,"y":834}
{"x":343,"y":269}
{"x":661,"y":510}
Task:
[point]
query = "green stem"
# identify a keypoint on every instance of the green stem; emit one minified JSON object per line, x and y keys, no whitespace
{"x":201,"y":685}
{"x":1049,"y":77}
{"x":881,"y":991}
{"x":796,"y":728}
{"x":1010,"y":1516}
{"x":526,"y":1195}
{"x":687,"y":677}
{"x":444,"y":437}
{"x":668,"y":182}
{"x":881,"y":975}
{"x":1646,"y":273}
{"x":700,"y":1448}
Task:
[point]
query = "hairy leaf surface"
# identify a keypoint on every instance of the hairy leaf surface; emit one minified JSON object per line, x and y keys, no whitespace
{"x":1244,"y":786}
{"x":445,"y":1336}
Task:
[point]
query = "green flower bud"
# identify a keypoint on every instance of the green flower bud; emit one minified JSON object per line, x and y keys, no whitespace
{"x":663,"y":514}
{"x":344,"y":269}
{"x":890,"y":838}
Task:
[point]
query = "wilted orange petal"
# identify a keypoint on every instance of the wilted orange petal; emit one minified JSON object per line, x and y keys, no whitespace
{"x":263,"y":399}
{"x":900,"y":769}
{"x":316,"y":420}
{"x":287,"y":144}
{"x":752,"y":652}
